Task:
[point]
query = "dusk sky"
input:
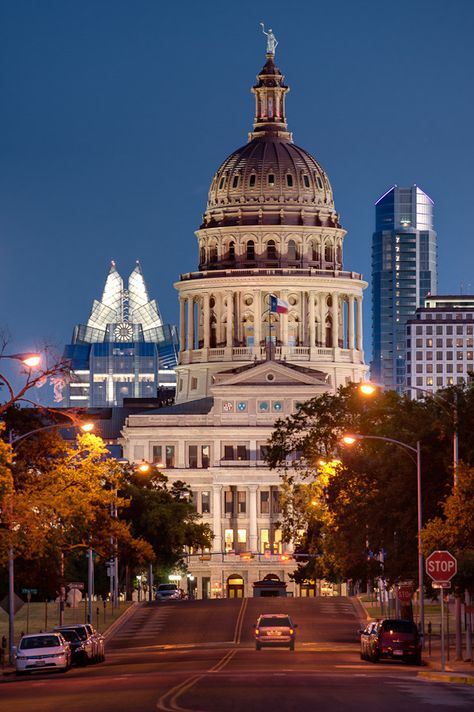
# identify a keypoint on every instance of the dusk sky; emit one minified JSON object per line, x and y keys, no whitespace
{"x":116,"y":114}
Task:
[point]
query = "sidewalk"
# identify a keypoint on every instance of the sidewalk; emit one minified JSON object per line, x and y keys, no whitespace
{"x":456,"y":671}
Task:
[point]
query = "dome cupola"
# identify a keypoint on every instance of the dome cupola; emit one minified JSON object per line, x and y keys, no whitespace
{"x":270,"y":180}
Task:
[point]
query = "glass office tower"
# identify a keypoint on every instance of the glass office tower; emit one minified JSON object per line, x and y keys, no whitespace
{"x":124,"y":350}
{"x":404,"y":272}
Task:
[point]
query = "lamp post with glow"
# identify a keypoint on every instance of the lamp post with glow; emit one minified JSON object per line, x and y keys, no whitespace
{"x":350,"y":440}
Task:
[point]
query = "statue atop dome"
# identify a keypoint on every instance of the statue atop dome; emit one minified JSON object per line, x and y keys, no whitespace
{"x":271,"y":40}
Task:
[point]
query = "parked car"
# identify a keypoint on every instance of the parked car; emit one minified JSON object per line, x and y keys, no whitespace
{"x":167,"y":591}
{"x":100,"y":641}
{"x":274,"y":629}
{"x":85,"y":633}
{"x":395,"y":639}
{"x":365,"y":634}
{"x":82,"y":649}
{"x":42,"y":651}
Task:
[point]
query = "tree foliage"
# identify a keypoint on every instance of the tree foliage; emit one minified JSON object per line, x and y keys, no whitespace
{"x":365,"y":523}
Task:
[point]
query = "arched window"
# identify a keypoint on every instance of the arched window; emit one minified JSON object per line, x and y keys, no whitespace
{"x":292,"y":250}
{"x":213,"y":253}
{"x":213,"y":332}
{"x":250,"y":250}
{"x":232,"y":251}
{"x":202,"y":255}
{"x":314,"y":251}
{"x":328,"y":332}
{"x":271,"y":250}
{"x":339,"y":254}
{"x":328,"y":253}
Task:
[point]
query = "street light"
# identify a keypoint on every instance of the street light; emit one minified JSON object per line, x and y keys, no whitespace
{"x":11,"y":554}
{"x":350,"y":440}
{"x":28,"y":359}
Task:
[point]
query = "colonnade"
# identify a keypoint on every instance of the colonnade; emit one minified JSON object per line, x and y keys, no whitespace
{"x":325,"y":319}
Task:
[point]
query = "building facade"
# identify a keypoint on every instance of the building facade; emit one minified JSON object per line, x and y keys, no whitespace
{"x":440,"y":344}
{"x":123,"y":351}
{"x":270,"y":232}
{"x":404,"y":272}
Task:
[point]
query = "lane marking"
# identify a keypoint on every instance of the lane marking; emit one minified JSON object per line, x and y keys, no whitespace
{"x":240,"y":619}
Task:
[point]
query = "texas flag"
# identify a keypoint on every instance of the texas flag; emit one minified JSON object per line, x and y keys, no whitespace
{"x":278,"y":306}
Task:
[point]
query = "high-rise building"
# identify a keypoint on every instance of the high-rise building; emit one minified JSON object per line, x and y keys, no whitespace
{"x":268,"y":320}
{"x":404,"y":272}
{"x":124,"y":350}
{"x":440,"y":344}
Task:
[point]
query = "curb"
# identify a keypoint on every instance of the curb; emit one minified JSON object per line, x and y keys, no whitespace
{"x":117,"y":624}
{"x":359,"y":607}
{"x":455,"y":678}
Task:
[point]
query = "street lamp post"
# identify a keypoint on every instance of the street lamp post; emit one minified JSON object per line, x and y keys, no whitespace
{"x":87,"y":427}
{"x":350,"y":440}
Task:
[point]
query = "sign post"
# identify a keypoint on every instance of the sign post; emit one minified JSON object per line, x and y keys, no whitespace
{"x":441,"y":566}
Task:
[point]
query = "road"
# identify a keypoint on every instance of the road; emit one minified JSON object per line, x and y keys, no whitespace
{"x":199,"y":656}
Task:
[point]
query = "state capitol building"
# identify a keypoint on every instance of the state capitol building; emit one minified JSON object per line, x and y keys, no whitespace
{"x":270,"y":228}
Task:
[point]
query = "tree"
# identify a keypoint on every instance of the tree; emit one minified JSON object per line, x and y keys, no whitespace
{"x":368,"y":524}
{"x":164,"y":516}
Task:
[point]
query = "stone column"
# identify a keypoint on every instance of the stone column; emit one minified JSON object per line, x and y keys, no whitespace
{"x":216,"y":517}
{"x":253,"y":513}
{"x":335,"y":320}
{"x":359,"y":323}
{"x":257,"y":323}
{"x":206,"y":317}
{"x":350,"y":322}
{"x":311,"y":317}
{"x":190,"y":344}
{"x":322,"y":319}
{"x":182,"y":323}
{"x":230,"y":320}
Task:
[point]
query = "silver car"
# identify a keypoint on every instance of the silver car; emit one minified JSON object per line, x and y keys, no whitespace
{"x":274,"y":629}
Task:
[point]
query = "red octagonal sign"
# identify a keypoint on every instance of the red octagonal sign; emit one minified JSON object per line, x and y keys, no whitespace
{"x":441,"y":566}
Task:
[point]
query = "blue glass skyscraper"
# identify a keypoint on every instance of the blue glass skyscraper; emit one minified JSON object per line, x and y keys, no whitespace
{"x":404,"y":272}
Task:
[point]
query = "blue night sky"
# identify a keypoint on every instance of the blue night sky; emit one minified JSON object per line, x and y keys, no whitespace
{"x":116,"y":114}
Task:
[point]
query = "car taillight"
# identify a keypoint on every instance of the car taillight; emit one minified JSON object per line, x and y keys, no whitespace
{"x":291,"y":631}
{"x":257,"y":631}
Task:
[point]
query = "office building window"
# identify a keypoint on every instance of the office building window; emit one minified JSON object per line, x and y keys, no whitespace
{"x":193,"y":456}
{"x":241,"y":539}
{"x":228,"y":502}
{"x":205,"y":456}
{"x":264,"y":540}
{"x":439,"y":380}
{"x":228,"y":539}
{"x":449,"y":368}
{"x":228,"y":452}
{"x":459,"y":368}
{"x":242,"y":502}
{"x":169,"y":450}
{"x":265,"y":502}
{"x":205,"y":502}
{"x":242,"y":452}
{"x":276,"y":509}
{"x":157,"y":455}
{"x":277,"y":542}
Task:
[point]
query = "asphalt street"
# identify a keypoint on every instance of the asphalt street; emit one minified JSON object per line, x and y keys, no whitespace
{"x":199,"y":656}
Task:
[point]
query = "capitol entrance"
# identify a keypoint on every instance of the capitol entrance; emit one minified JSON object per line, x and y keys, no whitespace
{"x":235,"y":586}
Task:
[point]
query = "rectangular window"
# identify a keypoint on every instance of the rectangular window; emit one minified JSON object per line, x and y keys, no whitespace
{"x":439,"y":380}
{"x":241,"y":540}
{"x":449,"y":330}
{"x":429,"y":381}
{"x":228,"y":502}
{"x":276,"y":501}
{"x":252,"y":180}
{"x":228,"y":539}
{"x":264,"y":502}
{"x":419,"y":343}
{"x":459,"y":343}
{"x":449,"y":368}
{"x":439,"y":343}
{"x":429,"y":368}
{"x":419,"y":381}
{"x":193,"y":456}
{"x":264,"y":540}
{"x":242,"y":502}
{"x":157,"y":455}
{"x":449,"y":343}
{"x":263,"y":452}
{"x":449,"y":355}
{"x":439,"y":330}
{"x":228,"y":452}
{"x":194,"y":383}
{"x":459,"y":355}
{"x":459,"y":368}
{"x":169,"y":456}
{"x":205,"y":502}
{"x":277,"y":542}
{"x":429,"y":343}
{"x":419,"y":368}
{"x":242,"y":452}
{"x":205,"y":456}
{"x":439,"y":355}
{"x":469,"y":355}
{"x":429,"y":355}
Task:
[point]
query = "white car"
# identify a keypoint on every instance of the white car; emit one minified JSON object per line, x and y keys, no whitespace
{"x":167,"y":592}
{"x":42,"y":651}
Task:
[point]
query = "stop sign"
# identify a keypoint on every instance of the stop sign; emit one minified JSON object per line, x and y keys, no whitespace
{"x":441,"y":566}
{"x":404,"y":594}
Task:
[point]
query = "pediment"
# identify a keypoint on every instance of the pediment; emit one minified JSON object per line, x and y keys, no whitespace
{"x":269,"y":373}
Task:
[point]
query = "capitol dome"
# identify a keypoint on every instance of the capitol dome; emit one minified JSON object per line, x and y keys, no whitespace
{"x":270,"y":180}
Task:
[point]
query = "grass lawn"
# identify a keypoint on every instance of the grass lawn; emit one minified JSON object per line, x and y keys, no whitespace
{"x":35,"y":617}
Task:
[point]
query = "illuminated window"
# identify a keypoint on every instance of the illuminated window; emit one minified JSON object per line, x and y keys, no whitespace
{"x":228,"y":539}
{"x":205,"y":502}
{"x":264,"y":540}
